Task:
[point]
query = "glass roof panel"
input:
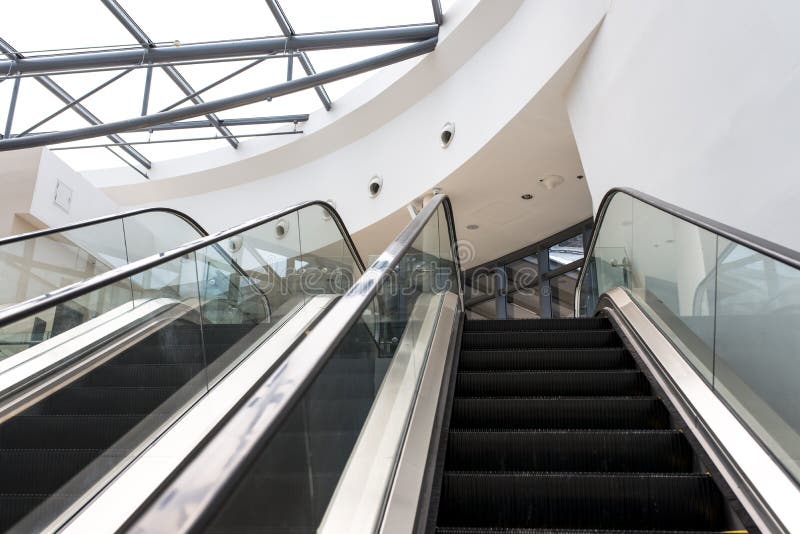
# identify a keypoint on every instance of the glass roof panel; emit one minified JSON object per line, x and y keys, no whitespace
{"x":328,"y":59}
{"x":89,"y":24}
{"x":122,"y":99}
{"x":34,"y":103}
{"x":189,"y":21}
{"x":35,"y":25}
{"x":309,"y":16}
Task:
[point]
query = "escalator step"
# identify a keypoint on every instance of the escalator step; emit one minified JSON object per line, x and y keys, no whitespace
{"x":559,"y":413}
{"x":521,"y":325}
{"x":546,"y":383}
{"x":65,"y":432}
{"x":14,"y":506}
{"x":41,"y":470}
{"x":581,"y":500}
{"x":103,"y":400}
{"x":161,"y":375}
{"x":457,"y":530}
{"x":546,"y":339}
{"x":652,"y":451}
{"x":189,"y":354}
{"x":545,"y":359}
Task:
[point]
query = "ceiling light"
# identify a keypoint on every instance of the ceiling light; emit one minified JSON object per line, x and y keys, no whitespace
{"x":447,"y":134}
{"x":526,"y":196}
{"x":375,"y":186}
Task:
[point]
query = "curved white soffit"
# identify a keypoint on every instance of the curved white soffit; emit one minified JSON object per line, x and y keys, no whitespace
{"x":493,"y":58}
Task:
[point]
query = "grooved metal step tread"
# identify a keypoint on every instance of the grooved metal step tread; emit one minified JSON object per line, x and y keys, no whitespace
{"x":581,"y":500}
{"x":83,"y":431}
{"x":104,"y":399}
{"x":115,"y":374}
{"x":521,"y":325}
{"x":559,"y":413}
{"x":626,"y":382}
{"x":542,"y":339}
{"x":456,"y":530}
{"x":546,"y":359}
{"x":41,"y":470}
{"x":569,"y":451}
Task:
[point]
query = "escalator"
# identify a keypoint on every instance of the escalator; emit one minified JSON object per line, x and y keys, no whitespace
{"x":276,"y":385}
{"x":555,"y":426}
{"x":154,"y":328}
{"x":48,"y":444}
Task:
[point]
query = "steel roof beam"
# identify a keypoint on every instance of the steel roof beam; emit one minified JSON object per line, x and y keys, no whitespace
{"x":78,"y":108}
{"x":305,"y":62}
{"x":123,"y":58}
{"x":223,"y":104}
{"x":438,"y":16}
{"x":252,"y":121}
{"x":138,"y":33}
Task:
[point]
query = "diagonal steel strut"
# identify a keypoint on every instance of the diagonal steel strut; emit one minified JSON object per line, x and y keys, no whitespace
{"x":134,"y":29}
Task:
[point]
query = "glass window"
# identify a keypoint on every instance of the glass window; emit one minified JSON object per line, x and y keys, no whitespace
{"x":309,"y":16}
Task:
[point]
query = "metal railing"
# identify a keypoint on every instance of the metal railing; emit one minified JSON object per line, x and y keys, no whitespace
{"x":727,"y":301}
{"x":101,"y":220}
{"x":193,"y":494}
{"x":762,"y":246}
{"x":24,"y":309}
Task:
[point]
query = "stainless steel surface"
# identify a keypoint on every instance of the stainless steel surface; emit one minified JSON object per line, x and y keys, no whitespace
{"x":358,"y":502}
{"x":401,"y":508}
{"x":768,"y":494}
{"x":24,"y":309}
{"x":182,"y":505}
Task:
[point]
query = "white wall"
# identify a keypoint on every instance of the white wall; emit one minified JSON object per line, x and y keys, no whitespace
{"x":697,"y":103}
{"x":17,"y":176}
{"x":87,"y":200}
{"x":29,"y":179}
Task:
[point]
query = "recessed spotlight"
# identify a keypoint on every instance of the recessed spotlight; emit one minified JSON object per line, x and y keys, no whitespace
{"x":472,"y":227}
{"x":526,"y":196}
{"x":447,"y":134}
{"x":579,"y":177}
{"x":375,"y":186}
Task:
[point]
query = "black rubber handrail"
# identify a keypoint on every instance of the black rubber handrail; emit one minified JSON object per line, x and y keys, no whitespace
{"x":198,"y":488}
{"x":772,"y":250}
{"x":100,"y":220}
{"x":29,"y":307}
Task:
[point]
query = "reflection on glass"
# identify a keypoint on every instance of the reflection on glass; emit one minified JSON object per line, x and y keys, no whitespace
{"x":322,"y":469}
{"x":757,"y":365}
{"x":526,"y":278}
{"x":732,"y":312}
{"x":38,"y":265}
{"x":138,"y":353}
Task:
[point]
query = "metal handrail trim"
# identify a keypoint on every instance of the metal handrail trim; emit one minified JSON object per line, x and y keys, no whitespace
{"x":24,"y":309}
{"x":202,"y":484}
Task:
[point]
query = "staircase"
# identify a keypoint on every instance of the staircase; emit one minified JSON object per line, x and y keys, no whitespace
{"x":554,"y":429}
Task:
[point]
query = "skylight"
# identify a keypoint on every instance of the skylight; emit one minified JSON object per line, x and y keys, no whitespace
{"x":86,"y":29}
